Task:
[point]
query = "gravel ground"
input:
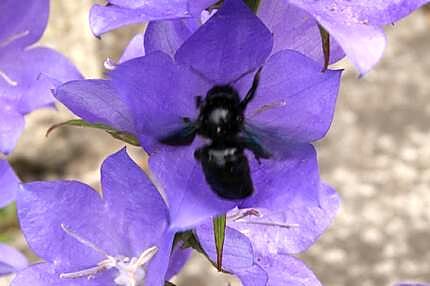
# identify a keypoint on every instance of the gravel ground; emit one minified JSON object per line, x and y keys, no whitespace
{"x":377,"y":155}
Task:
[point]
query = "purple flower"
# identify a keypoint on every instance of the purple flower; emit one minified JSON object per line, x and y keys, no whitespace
{"x":356,"y":27}
{"x":150,"y":96}
{"x":9,"y":184}
{"x":259,"y":242}
{"x":286,"y":231}
{"x":25,"y":71}
{"x":11,"y":260}
{"x":255,"y":268}
{"x":124,"y":12}
{"x":119,"y":237}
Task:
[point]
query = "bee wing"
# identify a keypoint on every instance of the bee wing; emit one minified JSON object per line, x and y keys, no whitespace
{"x":180,"y":136}
{"x":273,"y":142}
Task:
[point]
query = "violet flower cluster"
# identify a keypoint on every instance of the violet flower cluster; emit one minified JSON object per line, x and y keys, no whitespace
{"x":139,"y":229}
{"x":27,"y":73}
{"x":356,"y":27}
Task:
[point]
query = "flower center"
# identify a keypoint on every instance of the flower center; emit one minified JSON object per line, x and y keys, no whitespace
{"x":131,"y":271}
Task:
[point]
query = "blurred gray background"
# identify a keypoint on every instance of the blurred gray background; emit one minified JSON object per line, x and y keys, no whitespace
{"x":377,"y":155}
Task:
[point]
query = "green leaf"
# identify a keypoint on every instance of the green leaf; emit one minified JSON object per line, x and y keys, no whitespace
{"x":253,"y":4}
{"x":120,"y":135}
{"x":219,"y":224}
{"x":325,"y":41}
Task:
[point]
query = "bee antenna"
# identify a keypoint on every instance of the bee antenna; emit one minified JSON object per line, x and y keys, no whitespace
{"x":251,"y":93}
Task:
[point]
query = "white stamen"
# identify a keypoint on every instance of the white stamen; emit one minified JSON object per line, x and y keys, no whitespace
{"x":131,"y":271}
{"x":250,"y":212}
{"x":269,"y":223}
{"x":269,"y":106}
{"x":238,"y":217}
{"x":90,"y":272}
{"x":14,"y":37}
{"x":147,"y":255}
{"x":8,"y":79}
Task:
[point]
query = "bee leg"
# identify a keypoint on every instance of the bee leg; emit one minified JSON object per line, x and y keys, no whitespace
{"x":256,"y":148}
{"x":198,"y":154}
{"x":186,"y":119}
{"x":251,"y":93}
{"x":198,"y":101}
{"x":258,"y":158}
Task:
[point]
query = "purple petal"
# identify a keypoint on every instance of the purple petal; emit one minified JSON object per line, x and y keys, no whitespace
{"x":129,"y":194}
{"x":286,"y":270}
{"x":232,"y":43}
{"x":157,"y":269}
{"x":353,"y":28}
{"x":11,"y":260}
{"x":237,"y":254}
{"x":181,"y":5}
{"x":9,"y":183}
{"x":133,"y":202}
{"x":365,"y":12}
{"x":25,"y":22}
{"x":178,"y":259}
{"x":291,"y":182}
{"x":43,"y":207}
{"x":96,"y":101}
{"x":106,"y":18}
{"x":190,"y":199}
{"x":253,"y":276}
{"x":131,"y":219}
{"x":31,"y":73}
{"x":125,"y":12}
{"x":134,"y":49}
{"x":288,"y":231}
{"x":295,"y":98}
{"x":159,"y":93}
{"x":43,"y":274}
{"x":11,"y":126}
{"x":294,"y":29}
{"x":168,"y":36}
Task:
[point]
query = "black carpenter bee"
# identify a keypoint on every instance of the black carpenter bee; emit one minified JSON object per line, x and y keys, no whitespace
{"x":221,"y":120}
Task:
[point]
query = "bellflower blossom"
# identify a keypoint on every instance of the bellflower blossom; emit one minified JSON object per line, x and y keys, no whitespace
{"x":356,"y":26}
{"x":149,"y":96}
{"x":259,"y":242}
{"x":255,"y":268}
{"x":9,"y":184}
{"x":275,"y":225}
{"x":124,"y":12}
{"x":11,"y":260}
{"x":25,"y":71}
{"x":119,"y":237}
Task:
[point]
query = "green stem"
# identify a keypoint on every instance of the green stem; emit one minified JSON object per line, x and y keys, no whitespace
{"x":219,"y":224}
